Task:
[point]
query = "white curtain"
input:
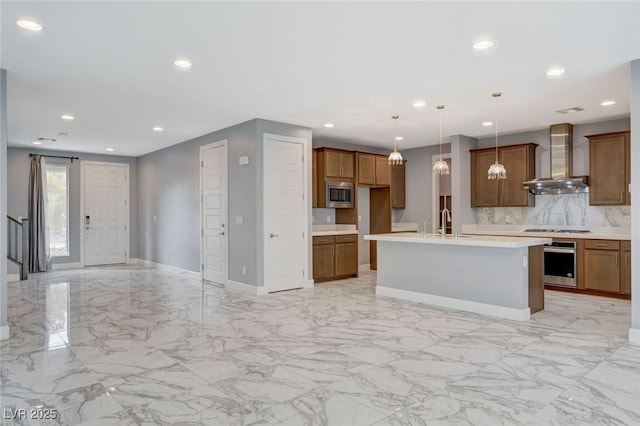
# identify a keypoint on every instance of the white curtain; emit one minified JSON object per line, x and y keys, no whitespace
{"x":39,"y":254}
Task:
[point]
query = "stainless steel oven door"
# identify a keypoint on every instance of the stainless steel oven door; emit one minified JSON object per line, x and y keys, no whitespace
{"x":560,"y":264}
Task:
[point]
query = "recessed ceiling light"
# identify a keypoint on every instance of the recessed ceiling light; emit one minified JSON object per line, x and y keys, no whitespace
{"x":608,"y":103}
{"x":555,"y":71}
{"x":109,"y":149}
{"x":37,"y":142}
{"x":157,"y":129}
{"x":328,"y":125}
{"x":67,"y":117}
{"x":182,"y":63}
{"x":484,"y":44}
{"x":419,"y":104}
{"x":29,"y":25}
{"x":487,"y":123}
{"x":399,"y":138}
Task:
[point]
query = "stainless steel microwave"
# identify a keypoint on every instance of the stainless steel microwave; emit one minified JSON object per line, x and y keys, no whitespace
{"x":340,"y":195}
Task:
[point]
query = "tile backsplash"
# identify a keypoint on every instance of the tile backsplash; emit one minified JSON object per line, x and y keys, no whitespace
{"x":565,"y":209}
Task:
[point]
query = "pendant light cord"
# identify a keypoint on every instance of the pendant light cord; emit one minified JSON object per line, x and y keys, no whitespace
{"x":496,"y":95}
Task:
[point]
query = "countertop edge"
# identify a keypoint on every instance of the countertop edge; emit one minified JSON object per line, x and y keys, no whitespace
{"x":521,"y":242}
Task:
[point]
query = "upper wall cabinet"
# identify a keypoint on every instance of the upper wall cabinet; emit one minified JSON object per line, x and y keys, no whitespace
{"x":520,"y":163}
{"x":336,"y":164}
{"x":609,"y":169}
{"x":373,"y":170}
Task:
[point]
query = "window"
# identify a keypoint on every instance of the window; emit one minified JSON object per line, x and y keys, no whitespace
{"x":58,"y":209}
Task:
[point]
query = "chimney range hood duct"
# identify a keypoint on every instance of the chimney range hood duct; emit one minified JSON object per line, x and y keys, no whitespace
{"x":561,"y":152}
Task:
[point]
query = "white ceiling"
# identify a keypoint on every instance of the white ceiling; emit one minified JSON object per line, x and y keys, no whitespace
{"x":110,"y":64}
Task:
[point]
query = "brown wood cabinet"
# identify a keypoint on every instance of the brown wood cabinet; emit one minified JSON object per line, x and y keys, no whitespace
{"x":336,"y":164}
{"x":373,"y":170}
{"x":518,"y":160}
{"x":625,"y":284}
{"x":609,"y":169}
{"x":398,"y":186}
{"x":314,"y":178}
{"x":602,"y":266}
{"x":335,"y":257}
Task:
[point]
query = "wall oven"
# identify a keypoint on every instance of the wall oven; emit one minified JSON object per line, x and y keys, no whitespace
{"x":339,"y":194}
{"x":560,"y":264}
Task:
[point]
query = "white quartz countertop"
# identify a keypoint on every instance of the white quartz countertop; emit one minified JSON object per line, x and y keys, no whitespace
{"x":602,"y":233}
{"x":404,"y":227}
{"x":322,"y":230}
{"x":461,"y":240}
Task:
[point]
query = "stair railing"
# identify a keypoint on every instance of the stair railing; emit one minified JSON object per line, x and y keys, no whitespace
{"x":18,"y":244}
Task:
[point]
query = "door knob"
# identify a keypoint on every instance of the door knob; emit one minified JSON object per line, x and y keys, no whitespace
{"x":272,"y":235}
{"x":221,"y":233}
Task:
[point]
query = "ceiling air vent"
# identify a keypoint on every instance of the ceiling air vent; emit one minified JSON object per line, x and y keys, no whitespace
{"x":568,"y":110}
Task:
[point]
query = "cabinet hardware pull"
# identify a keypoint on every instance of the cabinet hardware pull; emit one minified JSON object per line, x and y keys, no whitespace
{"x":601,"y":245}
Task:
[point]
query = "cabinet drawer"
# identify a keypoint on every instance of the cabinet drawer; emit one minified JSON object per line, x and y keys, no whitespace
{"x":626,"y":245}
{"x":327,"y":239}
{"x":352,"y":238}
{"x":602,"y":244}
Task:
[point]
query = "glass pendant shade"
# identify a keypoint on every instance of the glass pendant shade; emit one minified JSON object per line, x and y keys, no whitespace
{"x":395,"y":158}
{"x":440,"y":167}
{"x":497,"y":170}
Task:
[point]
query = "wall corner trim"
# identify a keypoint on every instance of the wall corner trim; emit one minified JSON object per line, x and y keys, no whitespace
{"x":634,"y":336}
{"x":309,"y":284}
{"x":4,"y":332}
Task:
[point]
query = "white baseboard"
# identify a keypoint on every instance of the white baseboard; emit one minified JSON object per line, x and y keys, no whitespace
{"x":4,"y":332}
{"x":309,"y":284}
{"x":364,"y":267}
{"x":169,"y":268}
{"x":133,"y":261}
{"x":246,"y":288}
{"x":634,"y":336}
{"x":463,"y":305}
{"x":13,"y":278}
{"x":63,"y":266}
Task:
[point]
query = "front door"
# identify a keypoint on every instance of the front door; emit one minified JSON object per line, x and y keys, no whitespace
{"x":105,"y":213}
{"x":215,"y":232}
{"x":285,"y":221}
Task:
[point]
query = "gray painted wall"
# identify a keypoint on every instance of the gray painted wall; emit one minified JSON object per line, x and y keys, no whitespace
{"x":3,"y":197}
{"x":462,"y":213}
{"x":169,"y":190}
{"x":635,"y":206}
{"x":419,"y":179}
{"x":18,"y":191}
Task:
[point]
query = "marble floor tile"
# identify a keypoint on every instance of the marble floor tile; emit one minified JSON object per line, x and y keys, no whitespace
{"x":140,"y":346}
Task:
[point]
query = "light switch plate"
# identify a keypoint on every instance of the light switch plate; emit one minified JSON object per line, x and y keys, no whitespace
{"x":239,"y":220}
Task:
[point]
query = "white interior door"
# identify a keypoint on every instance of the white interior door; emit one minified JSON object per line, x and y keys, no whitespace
{"x":214,"y":212}
{"x":285,"y":223}
{"x":106,"y":213}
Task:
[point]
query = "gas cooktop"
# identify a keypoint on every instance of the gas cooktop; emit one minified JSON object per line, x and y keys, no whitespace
{"x":567,"y":231}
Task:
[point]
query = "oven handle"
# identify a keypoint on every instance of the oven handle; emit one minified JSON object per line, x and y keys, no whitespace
{"x":558,"y":250}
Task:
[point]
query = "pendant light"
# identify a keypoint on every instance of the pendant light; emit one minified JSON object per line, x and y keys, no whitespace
{"x":395,"y":158}
{"x":497,"y":170}
{"x":440,"y":167}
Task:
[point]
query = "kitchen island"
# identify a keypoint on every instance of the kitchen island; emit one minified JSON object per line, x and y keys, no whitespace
{"x":490,"y":275}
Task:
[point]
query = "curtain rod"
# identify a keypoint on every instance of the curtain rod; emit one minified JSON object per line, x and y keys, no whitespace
{"x":54,"y":156}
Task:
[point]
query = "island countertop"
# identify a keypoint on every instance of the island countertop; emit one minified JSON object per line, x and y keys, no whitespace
{"x":461,"y":240}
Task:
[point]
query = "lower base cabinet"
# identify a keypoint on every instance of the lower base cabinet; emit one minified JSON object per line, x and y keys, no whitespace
{"x":607,"y":266}
{"x":335,"y":257}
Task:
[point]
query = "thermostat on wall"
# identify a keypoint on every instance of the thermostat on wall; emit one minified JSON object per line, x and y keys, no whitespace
{"x":243,"y":160}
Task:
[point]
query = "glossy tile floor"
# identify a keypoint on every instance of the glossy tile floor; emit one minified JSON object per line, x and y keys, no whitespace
{"x":137,"y":346}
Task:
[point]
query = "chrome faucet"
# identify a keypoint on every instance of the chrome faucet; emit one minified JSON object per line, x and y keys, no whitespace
{"x":445,"y":218}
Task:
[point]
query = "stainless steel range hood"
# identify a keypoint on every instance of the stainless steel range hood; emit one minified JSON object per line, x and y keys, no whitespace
{"x":561,"y":152}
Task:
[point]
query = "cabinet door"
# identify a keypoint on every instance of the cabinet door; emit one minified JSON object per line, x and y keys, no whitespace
{"x":602,"y":270}
{"x":398,"y":193}
{"x":347,"y":162}
{"x":607,"y":169}
{"x":484,"y":192}
{"x":323,"y":261}
{"x":516,"y":161}
{"x":366,"y":169}
{"x":383,"y":171}
{"x":346,"y":258}
{"x":332,"y":166}
{"x":625,"y":284}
